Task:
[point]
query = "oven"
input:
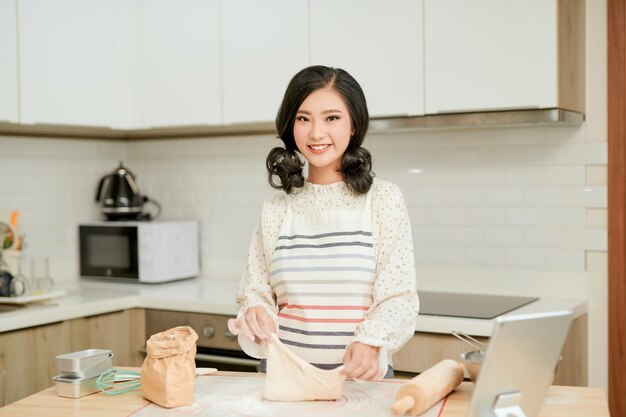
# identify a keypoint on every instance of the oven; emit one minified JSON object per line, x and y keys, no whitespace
{"x":217,"y":347}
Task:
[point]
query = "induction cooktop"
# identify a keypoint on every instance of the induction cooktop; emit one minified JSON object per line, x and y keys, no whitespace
{"x":476,"y":306}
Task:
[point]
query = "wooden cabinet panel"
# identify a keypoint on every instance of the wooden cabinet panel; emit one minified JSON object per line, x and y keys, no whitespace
{"x":114,"y":331}
{"x":378,"y":43}
{"x":8,"y":61}
{"x":424,"y":350}
{"x":28,"y":359}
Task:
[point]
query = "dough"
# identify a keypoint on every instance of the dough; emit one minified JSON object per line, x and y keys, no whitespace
{"x":290,"y":378}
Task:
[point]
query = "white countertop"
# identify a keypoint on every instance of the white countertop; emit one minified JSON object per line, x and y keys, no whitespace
{"x":216,"y":296}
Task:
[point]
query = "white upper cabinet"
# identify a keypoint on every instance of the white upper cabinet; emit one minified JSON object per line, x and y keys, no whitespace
{"x":264,"y":44}
{"x":180,"y":71}
{"x":68,"y":62}
{"x":492,"y":54}
{"x":379,"y":43}
{"x":8,"y":62}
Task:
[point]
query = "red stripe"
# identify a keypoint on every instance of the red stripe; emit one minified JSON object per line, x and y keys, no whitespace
{"x":442,"y":405}
{"x":289,"y":316}
{"x":304,"y":307}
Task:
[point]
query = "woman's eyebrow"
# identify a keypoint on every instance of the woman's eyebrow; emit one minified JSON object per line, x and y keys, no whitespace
{"x":324,"y":112}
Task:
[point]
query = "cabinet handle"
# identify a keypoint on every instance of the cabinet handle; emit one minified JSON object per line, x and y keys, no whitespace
{"x":229,"y":335}
{"x":208,"y":332}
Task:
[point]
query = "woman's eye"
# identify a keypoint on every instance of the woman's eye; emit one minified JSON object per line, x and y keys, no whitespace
{"x":302,"y":119}
{"x":332,"y":118}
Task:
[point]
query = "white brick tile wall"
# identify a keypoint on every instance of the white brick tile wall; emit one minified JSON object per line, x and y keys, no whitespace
{"x":523,"y":216}
{"x":519,"y":198}
{"x":479,"y":257}
{"x":466,"y":236}
{"x":523,"y":258}
{"x":564,"y":217}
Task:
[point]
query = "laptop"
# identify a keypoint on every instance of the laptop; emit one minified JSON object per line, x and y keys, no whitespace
{"x":519,"y":365}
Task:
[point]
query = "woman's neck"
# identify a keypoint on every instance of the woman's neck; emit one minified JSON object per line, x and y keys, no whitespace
{"x":324,"y":176}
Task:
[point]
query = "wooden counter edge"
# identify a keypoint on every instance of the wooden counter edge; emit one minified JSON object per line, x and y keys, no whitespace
{"x":578,"y":401}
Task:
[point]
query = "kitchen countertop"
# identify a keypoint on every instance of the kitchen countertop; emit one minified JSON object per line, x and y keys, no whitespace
{"x":216,"y":296}
{"x":559,"y":401}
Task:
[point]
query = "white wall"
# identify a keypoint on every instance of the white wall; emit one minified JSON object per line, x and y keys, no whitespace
{"x":52,"y":182}
{"x":505,"y":199}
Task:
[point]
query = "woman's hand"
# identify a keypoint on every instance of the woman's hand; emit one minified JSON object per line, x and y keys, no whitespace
{"x":256,"y":324}
{"x":361,"y":362}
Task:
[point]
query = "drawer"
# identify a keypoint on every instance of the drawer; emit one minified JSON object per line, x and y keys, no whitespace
{"x":211,"y":328}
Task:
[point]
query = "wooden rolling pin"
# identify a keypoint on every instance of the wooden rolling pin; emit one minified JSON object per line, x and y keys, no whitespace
{"x":420,"y":393}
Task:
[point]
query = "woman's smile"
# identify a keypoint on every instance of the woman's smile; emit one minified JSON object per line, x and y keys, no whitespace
{"x":319,"y":149}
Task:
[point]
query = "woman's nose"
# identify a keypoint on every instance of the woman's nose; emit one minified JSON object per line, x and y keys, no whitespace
{"x":317,"y":131}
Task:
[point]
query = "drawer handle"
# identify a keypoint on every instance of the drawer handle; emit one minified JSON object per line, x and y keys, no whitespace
{"x":208,"y":332}
{"x":229,"y":335}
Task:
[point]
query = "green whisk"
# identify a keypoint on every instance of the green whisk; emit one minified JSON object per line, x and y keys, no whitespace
{"x":117,"y":381}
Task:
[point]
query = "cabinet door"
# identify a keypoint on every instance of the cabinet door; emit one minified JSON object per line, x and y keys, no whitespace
{"x":27,"y":359}
{"x":122,"y":332}
{"x":181,"y":62}
{"x":424,"y":350}
{"x":68,"y":62}
{"x":490,"y":54}
{"x":379,"y":43}
{"x":8,"y":61}
{"x":264,"y":44}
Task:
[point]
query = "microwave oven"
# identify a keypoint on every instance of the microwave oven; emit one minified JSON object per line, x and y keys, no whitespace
{"x":135,"y":251}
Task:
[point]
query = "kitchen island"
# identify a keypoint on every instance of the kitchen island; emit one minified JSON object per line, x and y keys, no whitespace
{"x":559,"y":401}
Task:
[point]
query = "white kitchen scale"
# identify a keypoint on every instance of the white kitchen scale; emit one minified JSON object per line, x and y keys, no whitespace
{"x":235,"y":396}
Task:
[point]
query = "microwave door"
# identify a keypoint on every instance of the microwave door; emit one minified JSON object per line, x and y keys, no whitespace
{"x":109,"y":252}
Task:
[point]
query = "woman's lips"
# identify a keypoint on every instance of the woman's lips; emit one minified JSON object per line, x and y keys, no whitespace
{"x":318,"y":149}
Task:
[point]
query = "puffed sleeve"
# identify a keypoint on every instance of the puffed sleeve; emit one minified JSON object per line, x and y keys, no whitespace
{"x":254,"y":287}
{"x":391,"y":319}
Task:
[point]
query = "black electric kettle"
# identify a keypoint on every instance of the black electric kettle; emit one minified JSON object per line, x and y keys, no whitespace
{"x":120,"y":198}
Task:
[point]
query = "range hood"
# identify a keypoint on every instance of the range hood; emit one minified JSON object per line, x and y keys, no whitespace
{"x":485,"y":119}
{"x":504,"y":118}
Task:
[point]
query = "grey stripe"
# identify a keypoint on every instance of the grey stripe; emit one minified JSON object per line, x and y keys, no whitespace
{"x":322,"y":281}
{"x":308,"y":346}
{"x":358,"y":232}
{"x":326,"y":245}
{"x":327,"y":366}
{"x":309,"y":333}
{"x":340,"y":256}
{"x":326,"y":294}
{"x":323,"y":268}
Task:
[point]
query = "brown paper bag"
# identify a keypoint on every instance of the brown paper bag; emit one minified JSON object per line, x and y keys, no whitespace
{"x":169,"y":370}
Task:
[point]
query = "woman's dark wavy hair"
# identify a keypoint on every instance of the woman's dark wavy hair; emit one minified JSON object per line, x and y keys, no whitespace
{"x":356,"y":166}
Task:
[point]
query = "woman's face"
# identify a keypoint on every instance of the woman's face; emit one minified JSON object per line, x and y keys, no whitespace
{"x":322,"y":131}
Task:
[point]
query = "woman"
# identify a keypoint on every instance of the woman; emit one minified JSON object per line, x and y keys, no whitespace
{"x":330,"y":265}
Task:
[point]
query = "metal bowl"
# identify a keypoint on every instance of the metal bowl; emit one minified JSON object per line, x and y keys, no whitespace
{"x":472,"y":361}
